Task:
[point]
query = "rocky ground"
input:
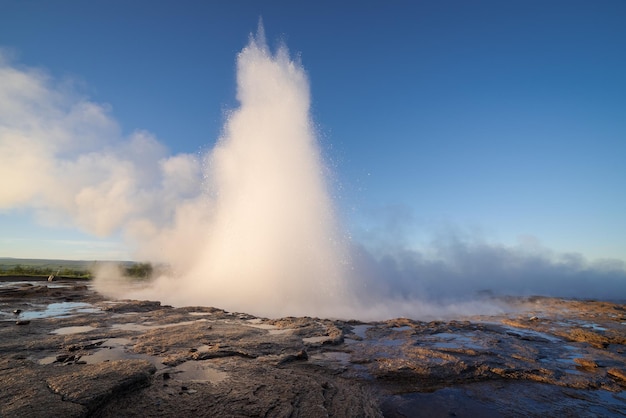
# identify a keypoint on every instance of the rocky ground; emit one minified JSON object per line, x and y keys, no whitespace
{"x":67,"y":351}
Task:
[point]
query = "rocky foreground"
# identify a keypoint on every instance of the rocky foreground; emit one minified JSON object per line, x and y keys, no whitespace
{"x":67,"y":351}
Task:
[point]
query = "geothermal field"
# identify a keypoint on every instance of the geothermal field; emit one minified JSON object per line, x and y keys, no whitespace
{"x":262,"y":305}
{"x":67,"y":350}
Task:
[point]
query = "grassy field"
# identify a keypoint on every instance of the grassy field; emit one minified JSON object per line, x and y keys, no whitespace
{"x":65,"y":268}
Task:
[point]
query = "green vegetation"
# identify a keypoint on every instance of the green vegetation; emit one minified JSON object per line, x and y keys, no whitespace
{"x":139,"y":270}
{"x":67,"y":268}
{"x":35,"y":267}
{"x":20,"y":270}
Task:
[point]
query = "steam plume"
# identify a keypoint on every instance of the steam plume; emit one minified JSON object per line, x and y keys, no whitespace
{"x":269,"y":240}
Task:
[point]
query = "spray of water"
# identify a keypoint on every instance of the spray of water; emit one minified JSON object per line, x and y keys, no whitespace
{"x":270,"y":241}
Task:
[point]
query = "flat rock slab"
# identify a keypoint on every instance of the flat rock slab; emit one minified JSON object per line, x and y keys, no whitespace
{"x":25,"y":393}
{"x":93,"y":385}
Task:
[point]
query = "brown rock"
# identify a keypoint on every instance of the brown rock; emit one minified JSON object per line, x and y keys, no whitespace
{"x":95,"y":384}
{"x":619,"y":374}
{"x":586,"y":363}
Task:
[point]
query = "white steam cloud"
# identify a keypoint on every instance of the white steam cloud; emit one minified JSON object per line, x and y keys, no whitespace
{"x":268,"y":239}
{"x":64,"y":157}
{"x":249,"y":226}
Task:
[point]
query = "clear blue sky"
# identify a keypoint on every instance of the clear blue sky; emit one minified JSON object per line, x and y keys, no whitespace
{"x":502,"y":117}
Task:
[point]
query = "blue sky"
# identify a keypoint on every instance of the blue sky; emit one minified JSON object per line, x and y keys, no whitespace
{"x":503,"y":120}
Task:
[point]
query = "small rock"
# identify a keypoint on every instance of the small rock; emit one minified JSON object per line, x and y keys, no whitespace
{"x":619,"y":374}
{"x":166,"y":376}
{"x":533,"y":318}
{"x":300,"y":355}
{"x":22,"y":322}
{"x":586,"y":363}
{"x":17,"y":311}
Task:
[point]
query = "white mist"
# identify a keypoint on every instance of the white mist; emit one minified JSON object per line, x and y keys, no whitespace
{"x":269,"y":244}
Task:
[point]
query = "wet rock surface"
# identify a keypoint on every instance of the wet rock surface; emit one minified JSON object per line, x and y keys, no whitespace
{"x":77,"y":354}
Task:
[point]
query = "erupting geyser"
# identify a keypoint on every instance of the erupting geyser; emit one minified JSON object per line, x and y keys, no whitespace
{"x":270,"y":244}
{"x":250,"y":226}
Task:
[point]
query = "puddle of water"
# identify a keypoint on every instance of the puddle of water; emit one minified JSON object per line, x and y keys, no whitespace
{"x":271,"y":329}
{"x":532,"y":334}
{"x":402,"y":328}
{"x":261,"y":326}
{"x":567,"y":360}
{"x":48,"y":360}
{"x":574,"y":372}
{"x":147,"y":327}
{"x":133,"y":327}
{"x":111,"y":350}
{"x":391,"y":343}
{"x":72,"y":330}
{"x":198,"y":371}
{"x":361,"y":330}
{"x":447,"y":335}
{"x":611,"y":397}
{"x":448,"y":340}
{"x":62,"y":309}
{"x":458,"y":345}
{"x":123,"y":315}
{"x":581,"y":323}
{"x":594,"y":327}
{"x":280,"y":331}
{"x":116,"y":349}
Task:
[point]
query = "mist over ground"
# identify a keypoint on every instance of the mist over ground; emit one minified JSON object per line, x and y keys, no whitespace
{"x":250,"y":225}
